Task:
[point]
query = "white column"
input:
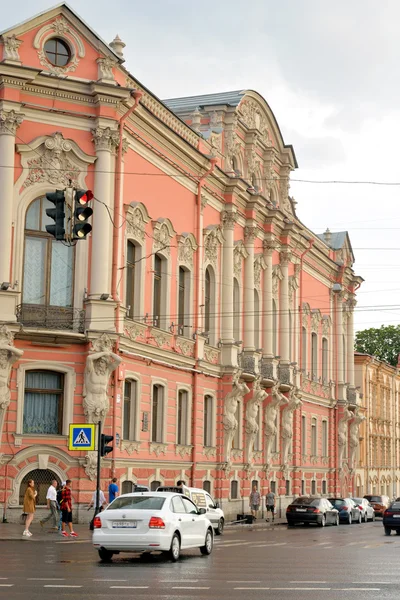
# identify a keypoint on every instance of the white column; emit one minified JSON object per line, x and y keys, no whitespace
{"x":250,"y":234}
{"x":9,"y":123}
{"x":228,"y":222}
{"x":350,"y":341}
{"x":284,"y":306}
{"x":339,"y":336}
{"x":268,"y":352}
{"x":105,"y":140}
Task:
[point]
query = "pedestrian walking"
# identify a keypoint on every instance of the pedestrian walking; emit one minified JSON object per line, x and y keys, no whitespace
{"x":112,"y":490}
{"x":59,"y":505}
{"x":29,"y":506}
{"x":51,"y":497}
{"x":66,"y":511}
{"x":102,"y":500}
{"x":270,"y":504}
{"x":254,"y":501}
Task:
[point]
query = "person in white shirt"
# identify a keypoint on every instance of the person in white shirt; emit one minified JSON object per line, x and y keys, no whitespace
{"x":102,"y":500}
{"x":51,"y":498}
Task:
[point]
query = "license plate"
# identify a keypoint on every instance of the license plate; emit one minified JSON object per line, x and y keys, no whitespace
{"x":301,"y":509}
{"x":396,"y":516}
{"x":124,"y":524}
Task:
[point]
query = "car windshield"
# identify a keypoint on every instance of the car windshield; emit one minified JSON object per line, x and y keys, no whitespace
{"x":395,"y":506}
{"x":374,"y":498}
{"x":138,"y":503}
{"x":337,"y":502}
{"x":306,"y":501}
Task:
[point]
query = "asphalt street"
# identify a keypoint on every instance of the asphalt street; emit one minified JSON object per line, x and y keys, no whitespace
{"x":351,"y":562}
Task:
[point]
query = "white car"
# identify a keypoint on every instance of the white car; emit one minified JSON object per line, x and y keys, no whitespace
{"x":152,"y":522}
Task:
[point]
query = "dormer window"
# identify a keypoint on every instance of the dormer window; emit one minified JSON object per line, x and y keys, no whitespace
{"x":57,"y":52}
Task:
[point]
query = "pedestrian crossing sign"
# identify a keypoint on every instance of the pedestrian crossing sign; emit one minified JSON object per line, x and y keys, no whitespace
{"x":81,"y":437}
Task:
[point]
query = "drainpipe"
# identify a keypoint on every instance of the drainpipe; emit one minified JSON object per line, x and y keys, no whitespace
{"x":197,"y":296}
{"x":118,"y":204}
{"x":302,"y":255}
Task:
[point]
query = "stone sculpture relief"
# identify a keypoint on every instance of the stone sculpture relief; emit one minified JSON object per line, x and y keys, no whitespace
{"x":100,"y":363}
{"x":294,"y":402}
{"x":271,"y":413}
{"x":354,"y":437}
{"x":252,"y":408}
{"x":9,"y":354}
{"x":342,"y":435}
{"x":239,"y":389}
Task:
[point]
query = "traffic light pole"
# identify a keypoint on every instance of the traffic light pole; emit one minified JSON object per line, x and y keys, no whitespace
{"x":97,"y":509}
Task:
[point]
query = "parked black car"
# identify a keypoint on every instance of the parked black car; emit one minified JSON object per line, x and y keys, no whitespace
{"x":391,"y":518}
{"x":348,"y":510}
{"x":312,"y":509}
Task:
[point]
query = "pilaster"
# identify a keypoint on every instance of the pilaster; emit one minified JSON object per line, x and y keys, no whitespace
{"x":229,"y":349}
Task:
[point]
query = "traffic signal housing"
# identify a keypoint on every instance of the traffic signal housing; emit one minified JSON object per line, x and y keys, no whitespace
{"x":82,"y":212}
{"x":104,"y":447}
{"x":57,"y":229}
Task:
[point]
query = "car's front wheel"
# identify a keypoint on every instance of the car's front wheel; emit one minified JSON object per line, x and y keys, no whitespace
{"x":175,"y":549}
{"x":322,"y":522}
{"x":208,"y":543}
{"x":359,"y":521}
{"x":365,"y":518}
{"x":336,"y":521}
{"x":220,"y":527}
{"x":388,"y":531}
{"x":349,"y":522}
{"x":105,"y":555}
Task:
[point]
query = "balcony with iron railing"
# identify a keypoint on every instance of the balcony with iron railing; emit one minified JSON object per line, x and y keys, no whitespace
{"x":60,"y":318}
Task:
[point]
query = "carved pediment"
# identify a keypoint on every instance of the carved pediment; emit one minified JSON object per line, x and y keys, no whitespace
{"x":240,"y":252}
{"x":136,"y":219}
{"x":212,"y":240}
{"x":187,"y":246}
{"x":163,"y":232}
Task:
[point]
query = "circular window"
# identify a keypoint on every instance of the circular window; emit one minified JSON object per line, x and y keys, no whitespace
{"x":57,"y":52}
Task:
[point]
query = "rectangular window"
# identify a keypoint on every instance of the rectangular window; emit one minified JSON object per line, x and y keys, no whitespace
{"x":324,"y":487}
{"x":62,"y":269}
{"x":157,"y":414}
{"x":314,"y":356}
{"x":182,"y":417}
{"x":181,"y":301}
{"x":129,"y":422}
{"x":314,"y":437}
{"x":325,"y":438}
{"x":34,"y":290}
{"x":313,"y":487}
{"x":324,"y":361}
{"x":287,"y":487}
{"x":304,"y":366}
{"x":130,"y":278}
{"x":208,"y":420}
{"x":303,"y":487}
{"x":303,"y":435}
{"x":157,"y":290}
{"x":43,"y":402}
{"x":272,"y":486}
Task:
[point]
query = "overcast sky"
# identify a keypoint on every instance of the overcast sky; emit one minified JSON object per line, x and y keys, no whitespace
{"x":329,"y":71}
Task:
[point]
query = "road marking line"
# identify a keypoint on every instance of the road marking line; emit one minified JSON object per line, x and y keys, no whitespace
{"x":6,"y":584}
{"x":251,"y":588}
{"x":238,"y":544}
{"x":188,"y":587}
{"x":129,"y":587}
{"x":111,"y":580}
{"x":62,"y":586}
{"x":359,"y":589}
{"x":309,"y":589}
{"x":308,"y":582}
{"x":44,"y":579}
{"x":179,"y":581}
{"x":373,"y":583}
{"x":243,"y":581}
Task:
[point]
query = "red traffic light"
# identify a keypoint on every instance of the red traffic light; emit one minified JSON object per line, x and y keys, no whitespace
{"x":83,"y":196}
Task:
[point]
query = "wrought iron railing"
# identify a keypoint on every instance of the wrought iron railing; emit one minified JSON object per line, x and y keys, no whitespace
{"x":51,"y":317}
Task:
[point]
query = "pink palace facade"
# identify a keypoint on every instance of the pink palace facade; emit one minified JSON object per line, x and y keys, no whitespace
{"x":225,"y":324}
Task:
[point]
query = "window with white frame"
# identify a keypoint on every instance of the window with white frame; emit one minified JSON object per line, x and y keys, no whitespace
{"x":314,"y":436}
{"x":314,"y":356}
{"x":129,"y":426}
{"x":154,"y":485}
{"x":210,"y":304}
{"x":48,"y":276}
{"x":304,"y":365}
{"x":157,"y":417}
{"x":234,"y":489}
{"x":183,"y":301}
{"x":324,"y":489}
{"x":43,"y":402}
{"x":182,"y":418}
{"x":158,"y":290}
{"x":207,"y":486}
{"x":303,"y":487}
{"x":304,"y":435}
{"x":325,"y":356}
{"x":208,"y":420}
{"x":236,"y":310}
{"x":313,"y":487}
{"x":257,"y":343}
{"x":324,"y":438}
{"x":130,"y":278}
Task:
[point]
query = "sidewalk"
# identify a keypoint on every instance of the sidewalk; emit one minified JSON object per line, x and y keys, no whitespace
{"x":258,"y":524}
{"x":13,"y":532}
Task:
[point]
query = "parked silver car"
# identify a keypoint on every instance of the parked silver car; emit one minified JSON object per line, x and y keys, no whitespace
{"x":367,"y":510}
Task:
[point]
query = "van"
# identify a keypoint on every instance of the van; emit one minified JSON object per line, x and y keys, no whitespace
{"x":202,"y":499}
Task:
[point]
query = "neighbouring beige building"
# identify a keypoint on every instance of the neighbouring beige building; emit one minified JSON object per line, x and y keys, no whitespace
{"x":378,"y":459}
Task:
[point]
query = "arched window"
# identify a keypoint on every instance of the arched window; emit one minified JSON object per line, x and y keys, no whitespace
{"x":314,"y":436}
{"x":48,"y":277}
{"x":304,"y":350}
{"x":182,"y":420}
{"x":127,"y":487}
{"x":274,"y":329}
{"x":234,"y":489}
{"x":314,"y":356}
{"x":324,"y":360}
{"x":207,"y":486}
{"x":154,"y":485}
{"x":236,"y":311}
{"x":208,"y":420}
{"x":43,"y":402}
{"x":42,"y":479}
{"x":130,"y":279}
{"x":303,"y":435}
{"x":210,"y":304}
{"x":129,"y":425}
{"x":183,"y":301}
{"x":324,"y":438}
{"x":157,"y":417}
{"x":256,"y":320}
{"x":158,"y":290}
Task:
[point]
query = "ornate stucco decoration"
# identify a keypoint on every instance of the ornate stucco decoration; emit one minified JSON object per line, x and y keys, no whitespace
{"x":253,"y":162}
{"x":11,"y":45}
{"x":9,"y":355}
{"x":136,"y":219}
{"x":130,"y":447}
{"x":354,"y":438}
{"x":10,"y":121}
{"x":251,"y":427}
{"x":239,"y":253}
{"x":293,"y":286}
{"x":62,"y":29}
{"x":326,"y":324}
{"x":212,"y":132}
{"x":186,"y":347}
{"x":183,"y":450}
{"x":232,"y":145}
{"x":100,"y":363}
{"x":271,"y":414}
{"x":186,"y":248}
{"x":294,"y":402}
{"x":259,"y":265}
{"x":59,"y":161}
{"x":163,"y":232}
{"x":135,"y":332}
{"x":315,"y":319}
{"x":212,"y":240}
{"x":105,"y":138}
{"x":269,"y":170}
{"x":254,"y":118}
{"x":306,"y":314}
{"x":342,"y":435}
{"x":284,"y":188}
{"x":90,"y":465}
{"x":161,"y":338}
{"x":239,"y":389}
{"x":211,"y":355}
{"x":228,"y":219}
{"x":277,"y":276}
{"x":210,"y":452}
{"x":105,"y":67}
{"x":158,"y":448}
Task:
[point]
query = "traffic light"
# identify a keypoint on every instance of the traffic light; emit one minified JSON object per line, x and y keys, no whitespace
{"x":82,"y":212}
{"x":57,"y":214}
{"x":104,"y":447}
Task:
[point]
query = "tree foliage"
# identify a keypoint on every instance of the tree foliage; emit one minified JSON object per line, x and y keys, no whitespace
{"x":383,"y":343}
